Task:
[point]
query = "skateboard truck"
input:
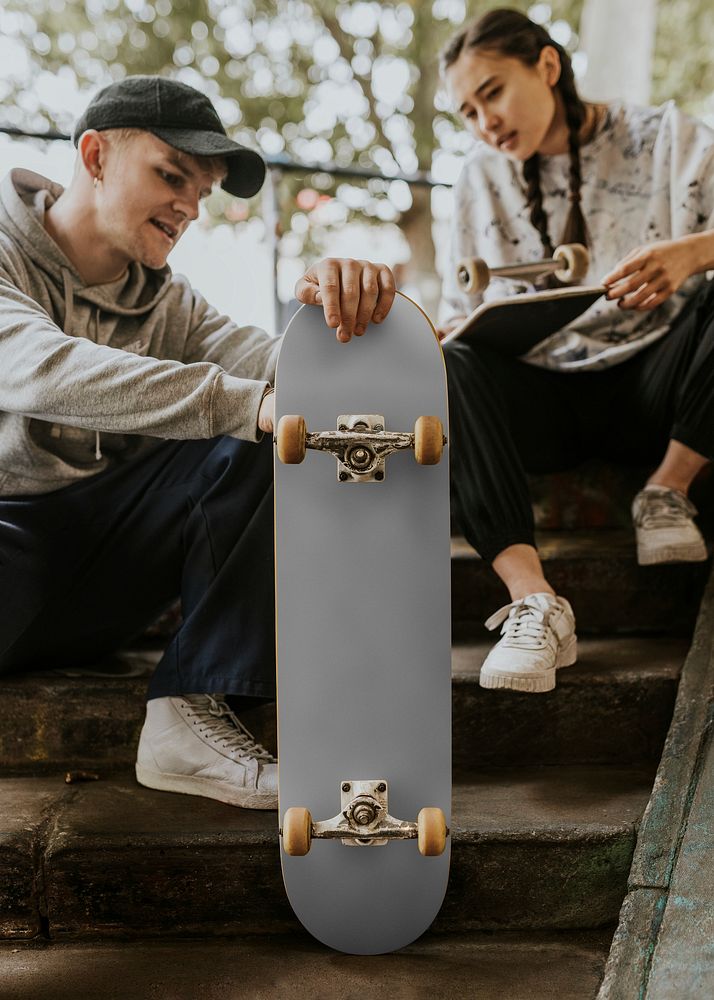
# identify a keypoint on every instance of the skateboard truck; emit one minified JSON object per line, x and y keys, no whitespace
{"x":360,"y":444}
{"x":364,"y":822}
{"x":569,"y":264}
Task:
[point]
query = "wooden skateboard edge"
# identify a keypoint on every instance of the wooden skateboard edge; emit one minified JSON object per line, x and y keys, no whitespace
{"x":521,"y":299}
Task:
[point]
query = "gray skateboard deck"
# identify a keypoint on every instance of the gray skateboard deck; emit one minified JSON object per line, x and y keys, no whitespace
{"x":516,"y":324}
{"x":363,"y":628}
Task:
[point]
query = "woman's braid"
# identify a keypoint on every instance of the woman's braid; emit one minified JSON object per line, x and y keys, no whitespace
{"x":534,"y":197}
{"x":575,"y":229}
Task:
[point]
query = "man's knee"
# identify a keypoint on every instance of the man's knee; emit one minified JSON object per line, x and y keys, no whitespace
{"x":245,"y":458}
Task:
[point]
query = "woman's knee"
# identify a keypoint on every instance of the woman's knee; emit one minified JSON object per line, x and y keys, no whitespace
{"x":468,"y":360}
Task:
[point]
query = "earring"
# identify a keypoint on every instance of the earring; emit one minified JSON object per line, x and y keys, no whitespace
{"x":96,"y":181}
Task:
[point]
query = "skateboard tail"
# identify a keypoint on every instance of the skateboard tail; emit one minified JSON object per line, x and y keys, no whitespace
{"x":354,"y":916}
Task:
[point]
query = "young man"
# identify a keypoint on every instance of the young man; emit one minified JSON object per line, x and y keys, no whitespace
{"x":133,"y":463}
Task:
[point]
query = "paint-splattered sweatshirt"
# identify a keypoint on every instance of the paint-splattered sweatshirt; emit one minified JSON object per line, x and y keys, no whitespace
{"x":648,"y":174}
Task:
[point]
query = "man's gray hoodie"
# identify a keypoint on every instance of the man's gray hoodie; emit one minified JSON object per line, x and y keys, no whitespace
{"x":91,"y":375}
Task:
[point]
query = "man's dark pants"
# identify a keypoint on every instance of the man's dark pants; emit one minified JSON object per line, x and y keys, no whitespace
{"x":85,"y":569}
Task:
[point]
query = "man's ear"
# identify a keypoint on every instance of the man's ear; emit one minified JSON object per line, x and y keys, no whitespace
{"x":92,"y":149}
{"x":549,"y":65}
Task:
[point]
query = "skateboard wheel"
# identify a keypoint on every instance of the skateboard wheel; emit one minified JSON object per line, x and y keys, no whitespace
{"x":428,"y":440}
{"x":575,"y":259}
{"x":431,"y":832}
{"x":291,"y":439}
{"x":473,"y":275}
{"x":297,"y":831}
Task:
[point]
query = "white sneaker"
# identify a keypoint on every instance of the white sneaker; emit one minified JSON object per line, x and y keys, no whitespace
{"x":195,"y":744}
{"x":538,"y":637}
{"x":665,"y":528}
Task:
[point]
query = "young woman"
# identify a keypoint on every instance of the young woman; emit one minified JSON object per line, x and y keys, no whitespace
{"x":633,"y":378}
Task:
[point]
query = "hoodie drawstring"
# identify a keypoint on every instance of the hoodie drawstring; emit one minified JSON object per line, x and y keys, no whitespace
{"x":68,"y":316}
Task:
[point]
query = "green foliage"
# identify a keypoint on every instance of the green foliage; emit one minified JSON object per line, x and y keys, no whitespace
{"x":267,"y":65}
{"x":683,"y":67}
{"x":353,"y":82}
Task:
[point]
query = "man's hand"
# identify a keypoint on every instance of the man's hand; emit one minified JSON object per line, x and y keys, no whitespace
{"x":352,"y":293}
{"x":266,"y":414}
{"x":650,"y":274}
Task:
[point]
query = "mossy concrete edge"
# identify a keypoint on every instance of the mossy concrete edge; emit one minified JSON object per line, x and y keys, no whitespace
{"x":686,"y":769}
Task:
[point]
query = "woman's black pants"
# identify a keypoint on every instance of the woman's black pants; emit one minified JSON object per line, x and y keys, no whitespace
{"x":509,"y":418}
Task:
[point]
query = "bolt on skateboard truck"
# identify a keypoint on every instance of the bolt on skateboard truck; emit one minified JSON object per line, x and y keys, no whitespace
{"x":569,"y":264}
{"x":360,"y":444}
{"x":364,"y":822}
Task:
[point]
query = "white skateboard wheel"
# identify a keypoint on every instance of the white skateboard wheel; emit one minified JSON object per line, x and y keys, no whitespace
{"x":291,"y":439}
{"x":473,"y":275}
{"x":575,"y":259}
{"x":428,"y":440}
{"x":297,"y":831}
{"x":431,"y":832}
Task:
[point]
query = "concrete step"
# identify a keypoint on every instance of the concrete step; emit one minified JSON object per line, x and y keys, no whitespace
{"x":598,"y":494}
{"x":614,"y":706}
{"x":595,"y":494}
{"x":534,"y":966}
{"x":533,"y":848}
{"x":598,"y":573}
{"x":595,"y":568}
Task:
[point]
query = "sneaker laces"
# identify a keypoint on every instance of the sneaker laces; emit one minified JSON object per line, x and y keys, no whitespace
{"x":663,"y":509}
{"x":222,"y":723}
{"x":525,"y":621}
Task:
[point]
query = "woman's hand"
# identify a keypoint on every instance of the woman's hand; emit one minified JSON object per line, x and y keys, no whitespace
{"x":352,"y":293}
{"x":445,"y":329}
{"x":648,"y":275}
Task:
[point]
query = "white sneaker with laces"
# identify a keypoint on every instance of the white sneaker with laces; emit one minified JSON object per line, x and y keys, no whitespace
{"x":195,"y":744}
{"x":665,"y":528}
{"x":538,"y":637}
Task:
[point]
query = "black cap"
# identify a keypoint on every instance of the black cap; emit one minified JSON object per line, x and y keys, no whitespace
{"x":181,"y":116}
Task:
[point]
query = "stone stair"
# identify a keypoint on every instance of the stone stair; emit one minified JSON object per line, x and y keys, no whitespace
{"x":613,"y":706}
{"x":511,"y":965}
{"x":546,"y":847}
{"x":549,"y":791}
{"x":597,"y":572}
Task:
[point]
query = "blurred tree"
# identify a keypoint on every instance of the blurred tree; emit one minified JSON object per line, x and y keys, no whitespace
{"x":684,"y":56}
{"x":351,"y":83}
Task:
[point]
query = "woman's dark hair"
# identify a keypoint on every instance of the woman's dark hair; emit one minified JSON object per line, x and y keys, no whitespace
{"x":510,"y":33}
